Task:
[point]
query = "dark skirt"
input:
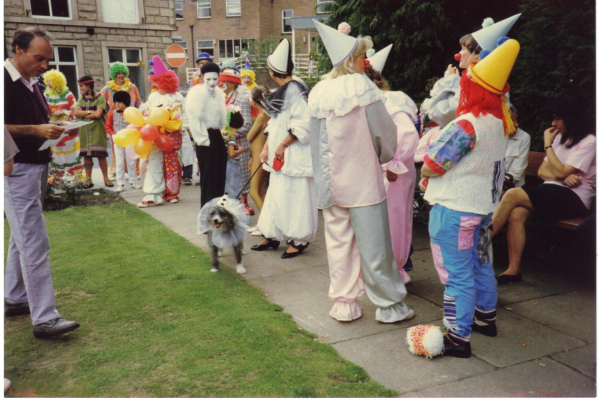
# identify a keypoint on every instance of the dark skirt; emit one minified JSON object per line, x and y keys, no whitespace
{"x":552,"y":203}
{"x":213,"y":167}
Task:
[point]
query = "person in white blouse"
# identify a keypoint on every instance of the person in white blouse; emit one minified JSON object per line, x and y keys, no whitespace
{"x":517,"y":154}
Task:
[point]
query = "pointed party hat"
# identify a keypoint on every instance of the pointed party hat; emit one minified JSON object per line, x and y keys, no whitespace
{"x":247,"y":64}
{"x":281,"y":59}
{"x":158,"y":67}
{"x":378,"y":59}
{"x":339,"y":45}
{"x":488,"y":37}
{"x":492,"y":72}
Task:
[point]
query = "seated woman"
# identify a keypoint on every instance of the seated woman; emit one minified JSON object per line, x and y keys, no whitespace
{"x":569,"y":174}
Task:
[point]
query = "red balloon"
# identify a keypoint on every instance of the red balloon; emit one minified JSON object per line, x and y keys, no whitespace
{"x":148,"y":133}
{"x":132,"y":127}
{"x":164,"y":143}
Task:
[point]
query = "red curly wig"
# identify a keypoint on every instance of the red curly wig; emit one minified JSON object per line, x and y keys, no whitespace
{"x":168,"y":82}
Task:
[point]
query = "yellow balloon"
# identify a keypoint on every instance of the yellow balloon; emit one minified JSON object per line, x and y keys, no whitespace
{"x":158,"y":117}
{"x":144,"y":156}
{"x":133,"y":116}
{"x":142,"y":148}
{"x":126,"y":137}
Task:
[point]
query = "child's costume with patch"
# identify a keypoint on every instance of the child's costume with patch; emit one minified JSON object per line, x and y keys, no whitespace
{"x":469,"y":158}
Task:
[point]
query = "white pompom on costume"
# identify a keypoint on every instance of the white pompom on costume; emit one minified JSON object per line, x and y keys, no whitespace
{"x":240,"y":227}
{"x":425,"y":340}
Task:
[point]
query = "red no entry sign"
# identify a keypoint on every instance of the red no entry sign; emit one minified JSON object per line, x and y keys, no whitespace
{"x":175,"y":55}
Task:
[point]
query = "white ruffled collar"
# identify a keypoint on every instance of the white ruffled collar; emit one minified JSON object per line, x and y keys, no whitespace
{"x":169,"y":101}
{"x":341,"y":95}
{"x":398,"y":101}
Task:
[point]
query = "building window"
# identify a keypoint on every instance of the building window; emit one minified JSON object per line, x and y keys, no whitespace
{"x":322,"y":6}
{"x":286,"y":22}
{"x":178,"y":10}
{"x":120,"y":11}
{"x":65,"y":61}
{"x":183,"y":44}
{"x":131,"y":58}
{"x":203,"y":8}
{"x":206,"y":46}
{"x":51,"y":8}
{"x":234,"y":8}
{"x":234,"y":48}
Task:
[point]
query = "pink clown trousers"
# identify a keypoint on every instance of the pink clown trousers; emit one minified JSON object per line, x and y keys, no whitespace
{"x":400,"y":194}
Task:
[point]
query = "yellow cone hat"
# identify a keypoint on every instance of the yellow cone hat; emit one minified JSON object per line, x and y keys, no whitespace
{"x":492,"y":72}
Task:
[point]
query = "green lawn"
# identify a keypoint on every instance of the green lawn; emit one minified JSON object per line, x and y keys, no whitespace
{"x":155,"y":322}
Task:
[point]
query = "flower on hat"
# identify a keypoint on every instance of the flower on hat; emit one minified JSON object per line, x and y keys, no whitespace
{"x":344,"y":28}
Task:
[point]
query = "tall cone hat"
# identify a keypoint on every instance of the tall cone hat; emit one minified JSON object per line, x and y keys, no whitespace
{"x":378,"y":59}
{"x":339,"y":46}
{"x":492,"y":72}
{"x":488,"y":37}
{"x":281,"y":59}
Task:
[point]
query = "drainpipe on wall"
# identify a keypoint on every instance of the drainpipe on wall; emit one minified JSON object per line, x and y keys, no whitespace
{"x":193,"y":47}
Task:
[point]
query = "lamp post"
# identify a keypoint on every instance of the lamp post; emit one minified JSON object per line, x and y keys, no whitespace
{"x":193,"y":45}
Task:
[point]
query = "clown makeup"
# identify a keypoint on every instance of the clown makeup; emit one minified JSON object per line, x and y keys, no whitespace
{"x":224,"y":86}
{"x":466,"y":58}
{"x":210,"y":80}
{"x":359,"y":63}
{"x":120,"y":79}
{"x":247,"y":80}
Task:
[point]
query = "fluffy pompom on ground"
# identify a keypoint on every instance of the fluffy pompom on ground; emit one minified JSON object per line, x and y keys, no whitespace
{"x":425,"y":340}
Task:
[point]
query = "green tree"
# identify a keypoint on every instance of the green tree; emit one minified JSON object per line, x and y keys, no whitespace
{"x":557,"y":57}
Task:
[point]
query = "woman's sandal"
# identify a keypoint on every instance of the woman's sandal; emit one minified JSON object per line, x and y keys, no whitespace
{"x":108,"y":183}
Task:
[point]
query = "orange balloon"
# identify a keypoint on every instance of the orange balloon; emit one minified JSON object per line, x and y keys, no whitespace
{"x":142,"y":147}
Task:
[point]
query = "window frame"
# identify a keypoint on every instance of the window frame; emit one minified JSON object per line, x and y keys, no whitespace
{"x":321,"y":3}
{"x":283,"y":18}
{"x":212,"y":55}
{"x":178,"y":2}
{"x":57,"y":63}
{"x":227,"y":8}
{"x":137,"y":11}
{"x":182,"y":43}
{"x":198,"y":8}
{"x":69,"y":18}
{"x":124,"y":50}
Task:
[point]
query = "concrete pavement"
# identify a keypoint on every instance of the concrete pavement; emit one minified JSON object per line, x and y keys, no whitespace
{"x":547,"y":337}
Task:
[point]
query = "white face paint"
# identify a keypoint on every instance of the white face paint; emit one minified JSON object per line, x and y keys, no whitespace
{"x":224,"y":86}
{"x":211,"y":80}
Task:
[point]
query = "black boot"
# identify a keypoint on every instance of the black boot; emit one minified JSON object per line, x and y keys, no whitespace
{"x":261,"y":247}
{"x":456,"y":348}
{"x":485,"y":323}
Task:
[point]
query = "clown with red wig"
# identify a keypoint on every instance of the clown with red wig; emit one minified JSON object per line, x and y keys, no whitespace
{"x":465,"y":172}
{"x":164,"y":173}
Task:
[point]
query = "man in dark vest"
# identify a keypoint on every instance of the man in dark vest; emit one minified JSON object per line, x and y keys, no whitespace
{"x":28,"y":281}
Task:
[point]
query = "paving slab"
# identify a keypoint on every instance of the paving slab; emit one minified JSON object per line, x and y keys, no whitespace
{"x":314,"y":313}
{"x":386,"y":358}
{"x":572,"y":313}
{"x":581,"y":359}
{"x":538,"y":378}
{"x":520,"y":340}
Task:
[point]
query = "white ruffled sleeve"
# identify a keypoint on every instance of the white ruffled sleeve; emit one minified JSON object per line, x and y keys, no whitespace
{"x":444,"y":100}
{"x":300,"y":121}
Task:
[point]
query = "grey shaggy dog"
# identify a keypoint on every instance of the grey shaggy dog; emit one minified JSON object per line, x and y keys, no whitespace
{"x":221,"y":220}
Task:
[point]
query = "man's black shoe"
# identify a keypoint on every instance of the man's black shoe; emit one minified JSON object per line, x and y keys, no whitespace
{"x":15,"y":309}
{"x":462,"y":350}
{"x":487,"y":330}
{"x":57,"y":326}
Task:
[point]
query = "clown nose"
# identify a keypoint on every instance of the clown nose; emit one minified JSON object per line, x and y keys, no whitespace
{"x":457,"y":56}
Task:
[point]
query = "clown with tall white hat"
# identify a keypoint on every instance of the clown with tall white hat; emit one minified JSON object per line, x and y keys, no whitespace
{"x":289,"y":211}
{"x":352,"y":134}
{"x":464,"y":169}
{"x":474,"y":47}
{"x":399,"y":173}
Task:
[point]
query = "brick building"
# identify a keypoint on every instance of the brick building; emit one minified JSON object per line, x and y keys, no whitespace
{"x":226,"y":28}
{"x":91,"y":34}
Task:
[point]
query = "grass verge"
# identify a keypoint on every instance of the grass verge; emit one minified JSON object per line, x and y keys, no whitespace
{"x":155,"y":322}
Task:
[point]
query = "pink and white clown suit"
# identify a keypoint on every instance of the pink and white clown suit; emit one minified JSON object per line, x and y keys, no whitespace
{"x":400,"y":193}
{"x":352,"y":135}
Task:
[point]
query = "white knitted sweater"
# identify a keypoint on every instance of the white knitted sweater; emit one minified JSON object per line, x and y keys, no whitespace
{"x":474,"y":184}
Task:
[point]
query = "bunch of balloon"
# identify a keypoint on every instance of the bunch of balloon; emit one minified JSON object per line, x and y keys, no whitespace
{"x":139,"y":135}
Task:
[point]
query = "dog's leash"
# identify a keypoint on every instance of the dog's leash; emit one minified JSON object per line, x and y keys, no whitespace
{"x":248,"y":182}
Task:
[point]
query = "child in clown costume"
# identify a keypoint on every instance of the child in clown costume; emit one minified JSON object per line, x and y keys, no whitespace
{"x":164,"y":174}
{"x":249,"y":81}
{"x":464,"y":169}
{"x":400,"y":174}
{"x":352,"y":134}
{"x":65,"y":154}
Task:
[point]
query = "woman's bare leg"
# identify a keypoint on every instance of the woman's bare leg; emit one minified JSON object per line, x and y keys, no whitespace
{"x":515,"y":235}
{"x":514,"y":198}
{"x":103,"y":167}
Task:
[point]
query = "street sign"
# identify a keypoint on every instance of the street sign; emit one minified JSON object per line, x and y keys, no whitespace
{"x":175,"y":55}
